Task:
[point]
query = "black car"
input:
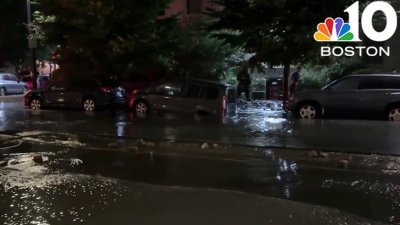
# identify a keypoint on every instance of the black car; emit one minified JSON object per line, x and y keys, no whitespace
{"x":88,"y":94}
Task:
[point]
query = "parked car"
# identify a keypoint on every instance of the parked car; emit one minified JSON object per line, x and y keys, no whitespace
{"x":137,"y":85}
{"x":194,"y":96}
{"x":377,"y":94}
{"x":9,"y":84}
{"x":118,"y":92}
{"x":42,"y":81}
{"x":88,"y":94}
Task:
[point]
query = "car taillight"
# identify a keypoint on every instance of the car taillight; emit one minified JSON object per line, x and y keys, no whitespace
{"x":105,"y":89}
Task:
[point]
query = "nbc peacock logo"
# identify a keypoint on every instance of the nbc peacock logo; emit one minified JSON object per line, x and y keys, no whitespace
{"x":336,"y":30}
{"x":333,"y":30}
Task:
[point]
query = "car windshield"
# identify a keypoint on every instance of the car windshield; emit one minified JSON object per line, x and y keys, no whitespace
{"x":203,"y":112}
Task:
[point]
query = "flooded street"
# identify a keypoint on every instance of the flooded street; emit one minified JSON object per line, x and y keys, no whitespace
{"x":256,"y":124}
{"x":259,"y":166}
{"x":180,"y":181}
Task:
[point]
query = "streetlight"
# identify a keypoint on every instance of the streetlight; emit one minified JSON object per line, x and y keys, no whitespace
{"x":32,"y":43}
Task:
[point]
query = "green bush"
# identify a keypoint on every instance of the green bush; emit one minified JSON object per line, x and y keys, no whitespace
{"x":317,"y":76}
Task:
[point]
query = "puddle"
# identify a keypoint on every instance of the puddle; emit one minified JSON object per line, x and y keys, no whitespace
{"x":368,"y":195}
{"x":28,"y":191}
{"x":57,"y":192}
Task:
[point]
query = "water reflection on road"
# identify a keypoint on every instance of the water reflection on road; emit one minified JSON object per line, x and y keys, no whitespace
{"x":253,"y":124}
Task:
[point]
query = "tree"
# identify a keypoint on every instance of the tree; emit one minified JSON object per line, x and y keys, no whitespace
{"x":200,"y":55}
{"x":316,"y":76}
{"x":103,"y":37}
{"x":279,"y":32}
{"x":13,"y":31}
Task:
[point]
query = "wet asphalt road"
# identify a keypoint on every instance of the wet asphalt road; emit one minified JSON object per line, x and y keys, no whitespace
{"x":77,"y":181}
{"x":83,"y":174}
{"x":258,"y":124}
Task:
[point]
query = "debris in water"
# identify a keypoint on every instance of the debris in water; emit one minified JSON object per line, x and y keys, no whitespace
{"x":75,"y":162}
{"x":205,"y":145}
{"x":324,"y":154}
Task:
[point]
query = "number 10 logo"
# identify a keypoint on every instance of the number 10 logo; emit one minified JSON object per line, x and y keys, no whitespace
{"x":333,"y":30}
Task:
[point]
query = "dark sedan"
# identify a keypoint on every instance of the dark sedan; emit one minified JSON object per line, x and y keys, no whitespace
{"x":87,"y":94}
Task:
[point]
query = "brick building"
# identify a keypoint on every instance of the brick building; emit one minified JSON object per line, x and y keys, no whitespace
{"x":186,"y":10}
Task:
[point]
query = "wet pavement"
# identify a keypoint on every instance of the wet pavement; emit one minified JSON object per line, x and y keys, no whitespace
{"x":70,"y":179}
{"x":75,"y":180}
{"x":111,"y":167}
{"x":257,"y":124}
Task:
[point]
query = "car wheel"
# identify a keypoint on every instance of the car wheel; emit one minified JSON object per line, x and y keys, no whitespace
{"x":141,"y":108}
{"x":89,"y":105}
{"x":308,"y":111}
{"x":393,"y":114}
{"x":36,"y":104}
{"x":3,"y":91}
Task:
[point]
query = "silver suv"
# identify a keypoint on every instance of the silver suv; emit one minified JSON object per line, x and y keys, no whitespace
{"x":377,"y":94}
{"x":9,"y":84}
{"x":189,"y":95}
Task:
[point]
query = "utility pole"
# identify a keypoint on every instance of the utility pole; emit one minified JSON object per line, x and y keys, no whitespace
{"x":32,"y":44}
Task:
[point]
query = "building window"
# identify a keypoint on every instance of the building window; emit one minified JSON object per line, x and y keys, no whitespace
{"x":193,"y":6}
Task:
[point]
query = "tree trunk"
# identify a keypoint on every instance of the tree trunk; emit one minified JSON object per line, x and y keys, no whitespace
{"x":286,"y":75}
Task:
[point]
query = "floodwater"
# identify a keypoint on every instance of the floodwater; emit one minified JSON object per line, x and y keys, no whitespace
{"x":76,"y":182}
{"x":259,"y":166}
{"x":260,"y":124}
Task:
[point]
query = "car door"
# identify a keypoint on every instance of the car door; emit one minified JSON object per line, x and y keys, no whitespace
{"x":373,"y":94}
{"x":211,"y":99}
{"x":342,"y":96}
{"x":167,"y":97}
{"x":9,"y":84}
{"x":192,"y":99}
{"x":78,"y":89}
{"x":56,"y":94}
{"x":17,"y":86}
